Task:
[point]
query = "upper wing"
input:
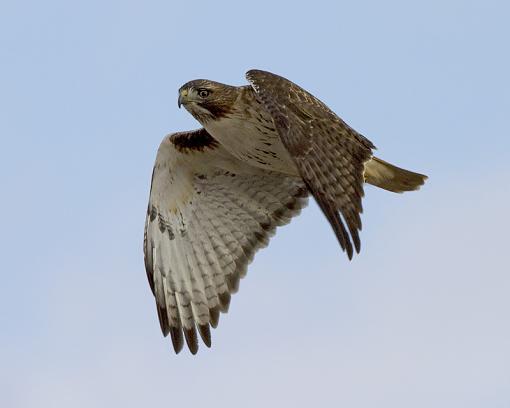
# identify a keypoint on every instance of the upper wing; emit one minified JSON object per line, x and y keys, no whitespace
{"x":208,"y":214}
{"x":329,"y":154}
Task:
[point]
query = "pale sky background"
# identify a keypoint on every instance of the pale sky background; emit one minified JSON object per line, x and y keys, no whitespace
{"x":421,"y":318}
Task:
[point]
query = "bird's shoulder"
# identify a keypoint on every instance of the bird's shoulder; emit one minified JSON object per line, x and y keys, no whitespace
{"x":198,"y":140}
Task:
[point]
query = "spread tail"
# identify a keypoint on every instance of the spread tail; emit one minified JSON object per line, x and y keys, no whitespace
{"x":392,"y":178}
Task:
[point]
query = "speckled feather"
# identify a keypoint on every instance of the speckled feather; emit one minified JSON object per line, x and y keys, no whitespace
{"x":218,"y":193}
{"x":208,"y":214}
{"x":329,"y":154}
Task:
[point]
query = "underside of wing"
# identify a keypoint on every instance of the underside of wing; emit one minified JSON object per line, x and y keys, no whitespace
{"x":329,"y":154}
{"x":208,"y":214}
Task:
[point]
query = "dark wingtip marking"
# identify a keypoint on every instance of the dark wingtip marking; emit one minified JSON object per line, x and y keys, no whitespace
{"x":358,"y":246}
{"x":214,"y":315}
{"x":224,"y":301}
{"x":356,"y":240}
{"x":233,"y":282}
{"x":163,"y":320}
{"x":191,"y":339}
{"x":205,"y":334}
{"x":177,"y":340}
{"x":340,"y":230}
{"x":350,"y":252}
{"x":342,"y":236}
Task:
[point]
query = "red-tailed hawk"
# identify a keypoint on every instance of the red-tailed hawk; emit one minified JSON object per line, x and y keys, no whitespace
{"x":218,"y":193}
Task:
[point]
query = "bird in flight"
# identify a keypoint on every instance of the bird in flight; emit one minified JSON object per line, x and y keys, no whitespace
{"x":219,"y":192}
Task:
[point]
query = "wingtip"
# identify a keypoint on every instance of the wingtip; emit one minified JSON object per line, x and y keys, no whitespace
{"x":214,"y":316}
{"x":348,"y":248}
{"x":349,"y":252}
{"x":224,"y":301}
{"x":191,"y":339}
{"x":357,"y":244}
{"x":205,"y":334}
{"x":177,"y":339}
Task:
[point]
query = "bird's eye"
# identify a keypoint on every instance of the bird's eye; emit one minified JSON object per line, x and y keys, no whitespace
{"x":203,"y":93}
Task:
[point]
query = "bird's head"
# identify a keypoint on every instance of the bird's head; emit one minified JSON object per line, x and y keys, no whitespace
{"x":207,"y":100}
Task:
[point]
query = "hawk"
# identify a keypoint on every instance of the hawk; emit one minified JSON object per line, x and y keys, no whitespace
{"x":219,"y":193}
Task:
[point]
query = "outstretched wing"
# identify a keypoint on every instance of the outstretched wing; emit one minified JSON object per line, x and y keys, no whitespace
{"x":208,"y":214}
{"x":329,"y":154}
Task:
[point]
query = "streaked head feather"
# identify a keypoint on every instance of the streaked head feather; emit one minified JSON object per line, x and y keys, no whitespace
{"x":207,"y":100}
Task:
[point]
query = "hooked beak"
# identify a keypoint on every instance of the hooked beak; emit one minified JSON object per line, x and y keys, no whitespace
{"x":182,"y":97}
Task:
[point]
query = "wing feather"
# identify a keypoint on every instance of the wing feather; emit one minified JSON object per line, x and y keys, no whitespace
{"x":329,"y":154}
{"x":208,"y":214}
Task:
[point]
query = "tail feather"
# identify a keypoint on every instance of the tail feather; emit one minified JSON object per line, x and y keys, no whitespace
{"x":392,"y":178}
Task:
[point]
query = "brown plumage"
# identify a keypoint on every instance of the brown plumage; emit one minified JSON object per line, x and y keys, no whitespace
{"x":329,"y":155}
{"x":218,"y":193}
{"x":198,"y":140}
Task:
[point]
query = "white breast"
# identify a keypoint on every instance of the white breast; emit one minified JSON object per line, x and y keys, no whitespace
{"x":255,"y":141}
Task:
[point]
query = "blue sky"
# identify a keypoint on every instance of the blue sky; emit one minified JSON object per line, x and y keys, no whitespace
{"x":420,"y":318}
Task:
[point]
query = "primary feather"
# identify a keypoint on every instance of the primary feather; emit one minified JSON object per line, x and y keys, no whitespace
{"x":208,"y":214}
